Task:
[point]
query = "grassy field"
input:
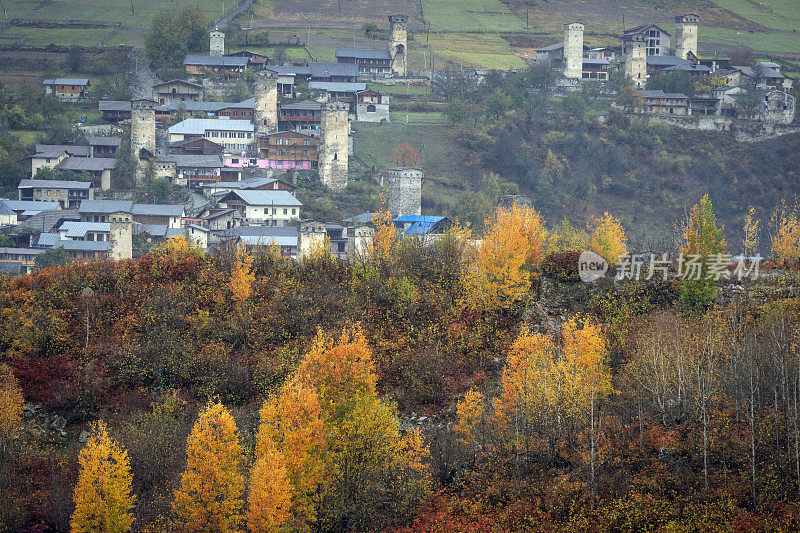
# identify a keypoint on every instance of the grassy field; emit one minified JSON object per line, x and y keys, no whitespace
{"x":771,"y":42}
{"x":776,"y":14}
{"x":471,"y":15}
{"x":399,"y":88}
{"x":107,"y":10}
{"x":485,"y":51}
{"x":61,"y":36}
{"x":426,"y":118}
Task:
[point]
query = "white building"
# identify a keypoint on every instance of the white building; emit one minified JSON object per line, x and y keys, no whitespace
{"x":235,"y":135}
{"x":269,"y":208}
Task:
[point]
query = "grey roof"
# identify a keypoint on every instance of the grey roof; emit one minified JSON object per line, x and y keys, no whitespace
{"x":305,"y":104}
{"x":47,"y":220}
{"x":79,"y":229}
{"x":770,"y":64}
{"x":172,"y":232}
{"x":181,"y":82}
{"x":88,"y":164}
{"x":5,"y":210}
{"x":363,"y":218}
{"x":551,"y":47}
{"x":264,"y":240}
{"x":170,"y":210}
{"x":338,"y":86}
{"x":105,"y":141}
{"x":643,"y":27}
{"x":194,"y":161}
{"x":326,"y":70}
{"x":220,"y":213}
{"x":662,"y":94}
{"x":114,"y":105}
{"x":29,"y":205}
{"x":249,"y":183}
{"x":363,"y":53}
{"x":14,"y":250}
{"x":199,"y":126}
{"x":105,"y":206}
{"x":189,"y":105}
{"x":216,"y":61}
{"x":66,"y":81}
{"x":46,"y":240}
{"x":764,"y":72}
{"x":289,"y":70}
{"x":58,"y":149}
{"x":591,"y":61}
{"x":54,"y":184}
{"x":667,"y":61}
{"x":84,"y":246}
{"x":156,"y":230}
{"x":688,"y":68}
{"x":274,"y":231}
{"x":266,"y":197}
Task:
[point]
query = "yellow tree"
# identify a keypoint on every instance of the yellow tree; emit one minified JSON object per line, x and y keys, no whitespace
{"x":567,"y":238}
{"x":786,"y":234}
{"x":608,"y":238}
{"x":703,"y":241}
{"x":242,"y":277}
{"x":103,"y":499}
{"x":470,"y":414}
{"x":271,"y":492}
{"x":500,"y":270}
{"x":384,"y":241}
{"x":11,"y":404}
{"x":751,"y":233}
{"x":210,"y":497}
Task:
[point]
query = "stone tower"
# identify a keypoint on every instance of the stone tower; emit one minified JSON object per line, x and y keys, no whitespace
{"x":573,"y":50}
{"x":143,"y":135}
{"x":405,"y":191}
{"x":121,"y":236}
{"x":265,"y":102}
{"x":398,"y":27}
{"x":636,"y":60}
{"x":686,"y":35}
{"x":216,"y":43}
{"x":333,"y":145}
{"x":312,"y":235}
{"x":359,"y":241}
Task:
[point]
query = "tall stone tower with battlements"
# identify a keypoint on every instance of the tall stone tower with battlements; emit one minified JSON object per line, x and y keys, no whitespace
{"x":265,"y":102}
{"x":686,"y":35}
{"x":143,"y":135}
{"x":398,"y":27}
{"x":636,"y":60}
{"x":216,"y":43}
{"x":573,"y":50}
{"x":312,"y":238}
{"x":405,"y":191}
{"x":121,"y":235}
{"x":333,"y":145}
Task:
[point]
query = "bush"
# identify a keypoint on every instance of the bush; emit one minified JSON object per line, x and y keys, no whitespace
{"x":562,"y":266}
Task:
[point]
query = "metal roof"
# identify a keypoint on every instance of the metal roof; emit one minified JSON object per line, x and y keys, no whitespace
{"x":337,"y":86}
{"x":180,"y":82}
{"x":363,"y":218}
{"x":363,"y":53}
{"x":275,"y":231}
{"x":194,"y":161}
{"x":216,"y":61}
{"x":171,"y":210}
{"x":105,"y":141}
{"x":84,"y":246}
{"x":54,"y":184}
{"x":199,"y":126}
{"x":46,"y":240}
{"x":551,"y":47}
{"x":305,"y":104}
{"x":29,"y":251}
{"x":591,"y":61}
{"x":264,"y":240}
{"x":661,"y":94}
{"x":105,"y":206}
{"x":688,"y":68}
{"x":87,"y":163}
{"x":29,"y":205}
{"x":5,"y":210}
{"x":667,"y":61}
{"x":289,"y":70}
{"x":326,"y":70}
{"x":66,"y":81}
{"x":250,"y":183}
{"x":420,"y":224}
{"x":47,"y":220}
{"x":80,"y":229}
{"x":643,"y":27}
{"x":71,"y":149}
{"x":250,"y":197}
{"x":114,"y":105}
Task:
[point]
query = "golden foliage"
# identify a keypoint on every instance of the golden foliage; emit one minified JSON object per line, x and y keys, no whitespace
{"x":701,"y":235}
{"x":751,"y":233}
{"x":500,"y":269}
{"x":242,"y":277}
{"x":11,"y":403}
{"x":210,"y":497}
{"x":103,"y":499}
{"x":470,"y":414}
{"x":271,"y":492}
{"x":608,"y":238}
{"x":567,"y":238}
{"x":384,"y":241}
{"x":786,"y":234}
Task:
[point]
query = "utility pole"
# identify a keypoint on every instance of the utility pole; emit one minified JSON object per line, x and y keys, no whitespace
{"x":132,"y":11}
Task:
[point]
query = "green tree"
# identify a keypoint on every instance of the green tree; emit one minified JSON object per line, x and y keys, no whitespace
{"x":574,"y":104}
{"x":52,"y":257}
{"x":703,"y":245}
{"x":497,"y":104}
{"x":672,"y":82}
{"x":457,"y":112}
{"x":173,"y":34}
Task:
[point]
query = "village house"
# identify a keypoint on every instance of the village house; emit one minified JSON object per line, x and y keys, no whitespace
{"x":370,"y":62}
{"x":82,"y":251}
{"x":104,"y":146}
{"x":289,"y":150}
{"x":85,"y":231}
{"x":595,"y":69}
{"x":602,"y":52}
{"x":222,"y":219}
{"x":302,"y":117}
{"x":249,"y":184}
{"x":199,"y":64}
{"x":190,"y":170}
{"x":339,"y":91}
{"x":99,"y":169}
{"x":25,"y":209}
{"x":199,"y":146}
{"x":44,"y":221}
{"x":67,"y":89}
{"x":333,"y":72}
{"x":234,"y":134}
{"x":553,"y":55}
{"x":114,"y":111}
{"x":16,"y":261}
{"x":7,"y":216}
{"x":248,"y":237}
{"x":372,"y":106}
{"x":99,"y":211}
{"x":269,"y":208}
{"x":657,"y":40}
{"x":177,"y":90}
{"x":289,"y":77}
{"x":50,"y":155}
{"x":255,"y":57}
{"x":764,"y":76}
{"x":68,"y":194}
{"x":661,"y":103}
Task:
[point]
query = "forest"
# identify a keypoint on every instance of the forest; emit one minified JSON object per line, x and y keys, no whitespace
{"x":466,"y":383}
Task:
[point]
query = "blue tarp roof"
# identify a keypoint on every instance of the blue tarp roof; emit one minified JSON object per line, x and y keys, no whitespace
{"x":420,"y":224}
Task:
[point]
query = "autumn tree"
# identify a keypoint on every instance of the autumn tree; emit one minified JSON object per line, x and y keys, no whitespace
{"x":404,"y":155}
{"x":567,"y":238}
{"x":103,"y":499}
{"x":608,"y":238}
{"x":271,"y":492}
{"x":751,"y":233}
{"x":703,"y":256}
{"x":242,"y":277}
{"x":500,"y":270}
{"x":210,"y":496}
{"x":384,"y":241}
{"x":11,"y":404}
{"x":786,"y":234}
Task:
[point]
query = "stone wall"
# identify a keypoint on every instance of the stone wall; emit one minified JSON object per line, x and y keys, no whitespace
{"x":636,"y":60}
{"x":686,"y":35}
{"x":405,"y":191}
{"x":143,"y":135}
{"x":121,"y":235}
{"x":334,"y":145}
{"x":265,"y":102}
{"x":573,"y":50}
{"x":398,"y":27}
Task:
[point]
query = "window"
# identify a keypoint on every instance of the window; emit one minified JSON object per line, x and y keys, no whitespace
{"x":279,"y":142}
{"x":306,"y":152}
{"x":285,"y":211}
{"x":280,"y":152}
{"x":266,"y":210}
{"x":287,"y":152}
{"x":288,"y":142}
{"x":294,"y":210}
{"x":307,"y":142}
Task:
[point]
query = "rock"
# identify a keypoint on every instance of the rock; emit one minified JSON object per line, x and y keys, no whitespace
{"x":30,"y":409}
{"x":666,"y":455}
{"x":84,"y":436}
{"x":422,"y":419}
{"x":58,"y":423}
